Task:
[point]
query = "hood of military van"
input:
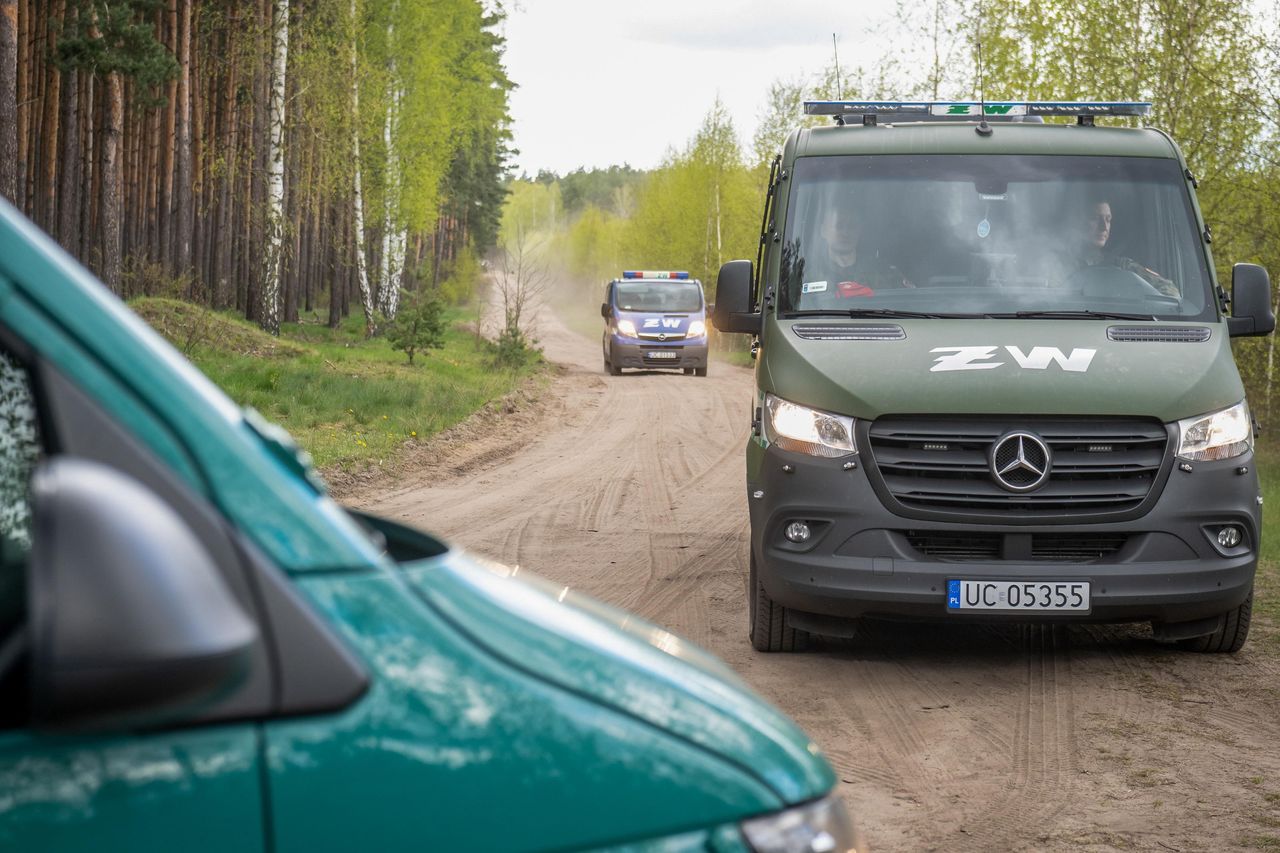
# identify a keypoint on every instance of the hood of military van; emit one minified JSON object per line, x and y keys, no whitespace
{"x":1080,"y":367}
{"x":622,"y":661}
{"x":653,"y":324}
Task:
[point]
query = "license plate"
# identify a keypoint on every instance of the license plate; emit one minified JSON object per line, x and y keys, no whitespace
{"x":659,"y":355}
{"x":1019,"y":596}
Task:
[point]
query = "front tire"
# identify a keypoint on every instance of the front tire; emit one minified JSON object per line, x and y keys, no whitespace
{"x":769,"y":630}
{"x":701,"y":371}
{"x":1230,"y":637}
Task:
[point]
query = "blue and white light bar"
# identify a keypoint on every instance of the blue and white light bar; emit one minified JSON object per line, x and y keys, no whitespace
{"x":977,"y":108}
{"x":663,"y":274}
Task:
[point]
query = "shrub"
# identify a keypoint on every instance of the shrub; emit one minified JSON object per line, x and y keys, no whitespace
{"x":419,"y":324}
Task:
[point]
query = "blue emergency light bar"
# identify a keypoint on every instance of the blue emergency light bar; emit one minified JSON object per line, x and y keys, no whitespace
{"x":978,"y":109}
{"x":654,"y":274}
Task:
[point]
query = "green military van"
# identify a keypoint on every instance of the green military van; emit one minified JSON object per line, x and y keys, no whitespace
{"x":994,"y":378}
{"x":200,"y":650}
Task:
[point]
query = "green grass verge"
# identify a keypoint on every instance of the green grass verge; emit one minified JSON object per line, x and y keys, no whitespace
{"x":1266,"y":598}
{"x":347,"y":400}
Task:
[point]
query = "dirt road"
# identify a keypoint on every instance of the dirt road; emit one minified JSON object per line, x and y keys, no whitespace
{"x":631,"y":489}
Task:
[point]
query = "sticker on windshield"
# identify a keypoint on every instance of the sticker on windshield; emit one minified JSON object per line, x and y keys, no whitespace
{"x":813,"y":287}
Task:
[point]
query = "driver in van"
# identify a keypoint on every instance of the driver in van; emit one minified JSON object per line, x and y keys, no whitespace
{"x":842,"y":266}
{"x":1091,"y":229}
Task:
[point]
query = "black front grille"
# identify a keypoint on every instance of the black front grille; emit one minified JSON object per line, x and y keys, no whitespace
{"x":957,"y":547}
{"x":942,"y":465}
{"x":966,"y":547}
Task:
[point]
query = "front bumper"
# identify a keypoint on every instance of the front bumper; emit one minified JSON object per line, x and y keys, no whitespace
{"x":865,"y":560}
{"x":629,"y":352}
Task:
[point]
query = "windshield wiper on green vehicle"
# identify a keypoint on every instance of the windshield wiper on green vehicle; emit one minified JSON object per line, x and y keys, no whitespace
{"x":1071,"y":315}
{"x":873,"y":312}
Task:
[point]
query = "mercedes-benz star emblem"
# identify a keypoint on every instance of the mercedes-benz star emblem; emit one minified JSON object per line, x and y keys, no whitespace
{"x":1020,"y":461}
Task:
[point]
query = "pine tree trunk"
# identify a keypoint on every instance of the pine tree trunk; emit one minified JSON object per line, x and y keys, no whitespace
{"x":166,"y":219}
{"x":9,"y":99}
{"x":68,"y":192}
{"x":335,"y":288}
{"x":111,"y":182}
{"x":183,"y":178}
{"x":48,"y":218}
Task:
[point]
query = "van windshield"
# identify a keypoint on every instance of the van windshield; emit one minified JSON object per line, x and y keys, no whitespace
{"x":993,"y":234}
{"x":682,"y":297}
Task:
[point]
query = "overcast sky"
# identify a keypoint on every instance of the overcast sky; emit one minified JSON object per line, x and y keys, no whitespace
{"x":603,"y":82}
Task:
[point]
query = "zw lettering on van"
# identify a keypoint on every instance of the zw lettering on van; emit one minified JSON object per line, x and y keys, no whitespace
{"x":667,"y":323}
{"x":1039,"y":358}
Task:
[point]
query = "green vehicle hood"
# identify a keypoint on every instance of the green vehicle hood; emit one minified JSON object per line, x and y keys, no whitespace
{"x":967,"y":366}
{"x":621,"y":661}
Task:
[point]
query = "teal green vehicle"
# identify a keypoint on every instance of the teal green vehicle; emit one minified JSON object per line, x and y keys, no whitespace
{"x":200,"y":650}
{"x":994,"y":379}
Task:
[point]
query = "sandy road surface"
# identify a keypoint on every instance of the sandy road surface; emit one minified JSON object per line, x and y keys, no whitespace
{"x":631,"y":489}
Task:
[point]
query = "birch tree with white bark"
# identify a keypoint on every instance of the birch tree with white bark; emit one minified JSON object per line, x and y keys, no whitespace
{"x":362,"y":269}
{"x":272,"y":285}
{"x":394,"y":233}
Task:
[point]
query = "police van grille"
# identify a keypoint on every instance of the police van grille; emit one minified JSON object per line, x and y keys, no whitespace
{"x":1101,"y":466}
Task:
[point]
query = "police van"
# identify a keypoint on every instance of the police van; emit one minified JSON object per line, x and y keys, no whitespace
{"x":994,"y":378}
{"x":655,"y":319}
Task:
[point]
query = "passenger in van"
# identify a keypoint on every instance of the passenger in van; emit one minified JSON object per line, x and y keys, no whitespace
{"x":847,"y":267}
{"x":1090,"y":228}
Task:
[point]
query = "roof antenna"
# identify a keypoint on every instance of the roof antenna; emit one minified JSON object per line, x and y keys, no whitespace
{"x":983,"y":129}
{"x":839,"y":76}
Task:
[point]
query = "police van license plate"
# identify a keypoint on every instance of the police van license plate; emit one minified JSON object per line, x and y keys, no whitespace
{"x":1019,"y":596}
{"x":660,"y":354}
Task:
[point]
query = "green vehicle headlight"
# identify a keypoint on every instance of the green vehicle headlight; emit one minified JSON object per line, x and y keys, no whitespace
{"x":1217,"y":435}
{"x":822,"y":826}
{"x":805,"y":430}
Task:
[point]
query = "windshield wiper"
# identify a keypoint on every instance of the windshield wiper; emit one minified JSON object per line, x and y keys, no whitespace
{"x":872,"y":312}
{"x":1071,"y":315}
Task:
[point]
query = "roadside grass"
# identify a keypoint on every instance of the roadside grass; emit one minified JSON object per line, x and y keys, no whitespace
{"x":1266,"y":597}
{"x":348,"y":401}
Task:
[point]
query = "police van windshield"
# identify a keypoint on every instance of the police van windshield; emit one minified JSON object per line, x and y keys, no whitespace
{"x":993,"y":234}
{"x":681,"y":297}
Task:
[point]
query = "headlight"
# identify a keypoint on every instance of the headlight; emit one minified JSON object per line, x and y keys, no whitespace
{"x":1219,"y":435}
{"x":822,"y":826}
{"x":696,"y":329}
{"x":805,"y":430}
{"x":626,"y":328}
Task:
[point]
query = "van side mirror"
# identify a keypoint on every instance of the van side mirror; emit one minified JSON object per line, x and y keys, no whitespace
{"x":130,"y":623}
{"x":604,"y":310}
{"x":733,"y":300}
{"x":1251,"y":311}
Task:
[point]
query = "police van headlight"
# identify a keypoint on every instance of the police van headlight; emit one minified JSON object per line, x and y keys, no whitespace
{"x":804,"y":430}
{"x":696,"y":329}
{"x":627,"y":329}
{"x":1218,"y":435}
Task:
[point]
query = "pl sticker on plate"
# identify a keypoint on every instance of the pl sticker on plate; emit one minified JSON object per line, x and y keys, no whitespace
{"x":813,"y":287}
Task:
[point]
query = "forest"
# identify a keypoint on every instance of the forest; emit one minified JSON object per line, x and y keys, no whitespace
{"x":272,"y":157}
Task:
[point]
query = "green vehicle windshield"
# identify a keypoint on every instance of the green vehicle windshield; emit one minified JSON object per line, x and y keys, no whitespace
{"x":993,"y":235}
